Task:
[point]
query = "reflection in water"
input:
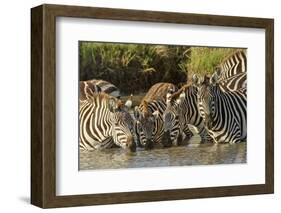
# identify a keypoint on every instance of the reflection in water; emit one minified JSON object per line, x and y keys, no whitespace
{"x":192,"y":154}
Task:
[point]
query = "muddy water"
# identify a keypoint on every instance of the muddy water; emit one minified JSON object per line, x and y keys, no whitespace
{"x":192,"y":154}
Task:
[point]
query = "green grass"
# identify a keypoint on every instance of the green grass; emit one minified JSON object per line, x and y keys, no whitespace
{"x":134,"y":68}
{"x":203,"y":60}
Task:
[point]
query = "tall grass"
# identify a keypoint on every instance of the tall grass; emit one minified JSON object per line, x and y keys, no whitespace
{"x":134,"y":68}
{"x":203,"y":60}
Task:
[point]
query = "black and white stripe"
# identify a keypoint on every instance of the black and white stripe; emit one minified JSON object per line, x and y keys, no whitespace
{"x":182,"y":106}
{"x":232,"y":72}
{"x":233,"y":65}
{"x":224,"y":112}
{"x":104,"y":123}
{"x":149,"y":116}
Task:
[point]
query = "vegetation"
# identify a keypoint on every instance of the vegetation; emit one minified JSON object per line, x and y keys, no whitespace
{"x":134,"y":68}
{"x":204,"y":59}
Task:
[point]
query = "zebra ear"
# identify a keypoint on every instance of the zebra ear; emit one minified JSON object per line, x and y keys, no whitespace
{"x":129,"y":102}
{"x":214,"y":79}
{"x":195,"y":80}
{"x":181,"y":97}
{"x":218,"y":71}
{"x":137,"y":113}
{"x":168,"y":98}
{"x":112,"y":105}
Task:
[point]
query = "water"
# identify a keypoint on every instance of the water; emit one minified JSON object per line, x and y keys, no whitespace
{"x":192,"y":154}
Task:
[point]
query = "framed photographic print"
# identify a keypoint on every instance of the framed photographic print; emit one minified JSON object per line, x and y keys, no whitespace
{"x":136,"y":106}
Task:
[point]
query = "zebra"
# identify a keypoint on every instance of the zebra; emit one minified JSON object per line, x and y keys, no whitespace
{"x":182,"y":107}
{"x":232,"y":72}
{"x":107,"y":87}
{"x":232,"y":65}
{"x":224,"y":111}
{"x":105,"y":123}
{"x":181,"y":111}
{"x":233,"y":83}
{"x":149,"y":116}
{"x":89,"y":87}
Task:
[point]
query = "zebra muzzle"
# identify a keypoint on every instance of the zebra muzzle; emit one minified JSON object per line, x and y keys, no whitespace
{"x":133,"y":147}
{"x":131,"y":144}
{"x":148,"y":145}
{"x":166,"y":139}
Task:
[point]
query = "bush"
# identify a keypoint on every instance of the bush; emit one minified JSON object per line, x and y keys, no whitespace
{"x":134,"y":68}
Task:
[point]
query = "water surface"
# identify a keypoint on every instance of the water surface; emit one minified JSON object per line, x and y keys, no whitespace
{"x":191,"y":154}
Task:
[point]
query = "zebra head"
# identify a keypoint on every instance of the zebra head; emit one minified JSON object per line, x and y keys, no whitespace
{"x":122,"y":125}
{"x":145,"y":125}
{"x":171,"y":118}
{"x":206,"y":98}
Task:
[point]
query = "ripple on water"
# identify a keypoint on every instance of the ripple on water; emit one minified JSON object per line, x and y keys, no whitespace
{"x":192,"y":154}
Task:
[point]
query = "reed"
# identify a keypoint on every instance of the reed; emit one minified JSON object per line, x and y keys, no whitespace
{"x":134,"y":68}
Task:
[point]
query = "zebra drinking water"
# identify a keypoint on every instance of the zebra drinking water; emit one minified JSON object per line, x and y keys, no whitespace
{"x":149,"y":116}
{"x":104,"y":123}
{"x":182,"y":111}
{"x":224,"y":112}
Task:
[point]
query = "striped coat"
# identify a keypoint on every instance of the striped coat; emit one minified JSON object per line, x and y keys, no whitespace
{"x":224,"y":112}
{"x":232,"y":72}
{"x":149,"y":116}
{"x":183,"y":105}
{"x":104,"y":123}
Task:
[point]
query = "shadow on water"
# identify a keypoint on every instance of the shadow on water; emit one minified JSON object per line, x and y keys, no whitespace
{"x":192,"y":154}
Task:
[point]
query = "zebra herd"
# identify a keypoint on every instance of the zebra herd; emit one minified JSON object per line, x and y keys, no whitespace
{"x":215,"y":105}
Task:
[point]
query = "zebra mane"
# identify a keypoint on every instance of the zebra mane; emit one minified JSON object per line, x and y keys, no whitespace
{"x":145,"y":108}
{"x":176,"y":94}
